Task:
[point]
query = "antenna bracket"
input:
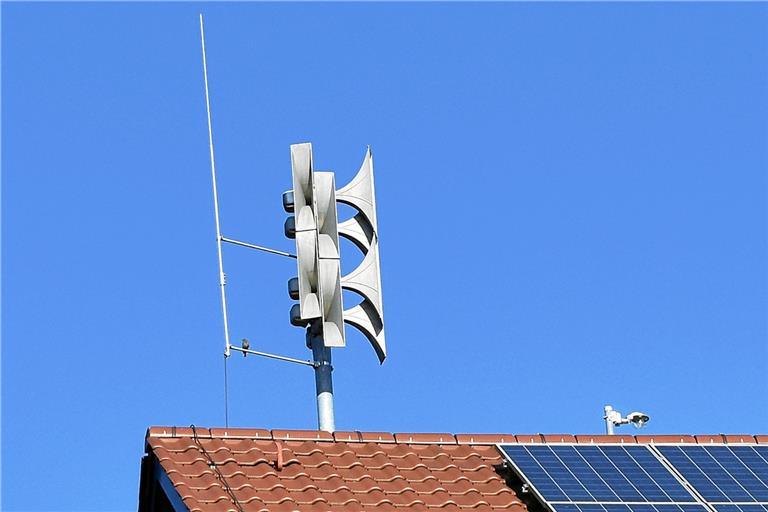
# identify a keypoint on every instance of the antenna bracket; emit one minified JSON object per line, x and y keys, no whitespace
{"x":257,"y":247}
{"x":275,"y":356}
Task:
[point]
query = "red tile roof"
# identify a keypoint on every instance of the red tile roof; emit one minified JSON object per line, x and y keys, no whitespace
{"x":299,"y":470}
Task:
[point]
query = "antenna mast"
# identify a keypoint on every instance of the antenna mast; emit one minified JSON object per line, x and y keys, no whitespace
{"x":318,"y":287}
{"x":222,"y":276}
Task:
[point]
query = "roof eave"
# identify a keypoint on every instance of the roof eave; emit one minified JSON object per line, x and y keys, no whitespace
{"x":154,"y":479}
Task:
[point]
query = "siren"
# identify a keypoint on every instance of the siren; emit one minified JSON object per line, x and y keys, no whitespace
{"x":303,"y":227}
{"x":316,"y":228}
{"x":329,"y":265}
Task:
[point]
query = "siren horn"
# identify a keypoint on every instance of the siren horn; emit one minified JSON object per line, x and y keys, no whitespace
{"x":302,"y":226}
{"x":329,"y":265}
{"x":362,"y":230}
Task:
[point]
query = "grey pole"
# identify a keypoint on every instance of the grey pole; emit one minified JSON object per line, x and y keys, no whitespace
{"x":323,"y":382}
{"x":608,"y":420}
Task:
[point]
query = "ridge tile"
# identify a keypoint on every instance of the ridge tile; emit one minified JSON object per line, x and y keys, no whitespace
{"x":301,"y":435}
{"x":485,"y":439}
{"x":668,"y":438}
{"x":425,"y":438}
{"x":618,"y":439}
{"x":739,"y":438}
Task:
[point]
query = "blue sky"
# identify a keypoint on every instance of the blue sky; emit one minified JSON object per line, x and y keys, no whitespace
{"x":571,"y":200}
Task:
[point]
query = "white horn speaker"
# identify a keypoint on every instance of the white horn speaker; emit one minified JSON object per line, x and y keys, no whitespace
{"x":365,"y":280}
{"x":360,"y":192}
{"x":306,"y":230}
{"x":329,"y":266}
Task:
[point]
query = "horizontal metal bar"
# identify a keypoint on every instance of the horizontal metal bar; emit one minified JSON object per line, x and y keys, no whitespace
{"x":257,"y":247}
{"x":273,"y":356}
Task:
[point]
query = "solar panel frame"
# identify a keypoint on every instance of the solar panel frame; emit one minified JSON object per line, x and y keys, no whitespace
{"x":561,"y":500}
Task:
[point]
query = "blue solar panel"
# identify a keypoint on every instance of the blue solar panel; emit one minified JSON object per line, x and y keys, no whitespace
{"x":741,"y":508}
{"x":571,"y":507}
{"x":638,"y":478}
{"x":724,"y":474}
{"x":605,"y":475}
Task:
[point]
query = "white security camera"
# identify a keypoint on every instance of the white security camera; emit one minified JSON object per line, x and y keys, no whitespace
{"x":613,"y":419}
{"x":638,"y":419}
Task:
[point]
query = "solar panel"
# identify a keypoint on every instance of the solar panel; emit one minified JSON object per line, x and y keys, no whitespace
{"x":601,"y":478}
{"x":571,"y":507}
{"x":741,"y":508}
{"x":724,"y":475}
{"x":642,"y":478}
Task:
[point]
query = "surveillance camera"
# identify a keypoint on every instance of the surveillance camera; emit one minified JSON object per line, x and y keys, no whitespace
{"x":638,"y":419}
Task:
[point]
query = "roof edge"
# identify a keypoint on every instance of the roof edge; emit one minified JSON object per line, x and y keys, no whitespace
{"x":439,"y":438}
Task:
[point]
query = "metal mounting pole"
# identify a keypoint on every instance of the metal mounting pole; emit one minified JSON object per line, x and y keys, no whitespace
{"x":323,"y":381}
{"x":608,"y":420}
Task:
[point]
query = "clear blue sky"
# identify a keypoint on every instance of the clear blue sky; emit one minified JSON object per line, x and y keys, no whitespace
{"x":572,"y":206}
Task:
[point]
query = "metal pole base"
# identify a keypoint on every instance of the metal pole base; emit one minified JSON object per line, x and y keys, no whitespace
{"x":323,"y":380}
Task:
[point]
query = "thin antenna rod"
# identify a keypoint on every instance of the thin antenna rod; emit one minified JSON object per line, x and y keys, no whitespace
{"x":222,"y":277}
{"x":257,"y":247}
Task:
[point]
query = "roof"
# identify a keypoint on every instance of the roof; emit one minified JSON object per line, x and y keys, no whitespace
{"x":200,"y":469}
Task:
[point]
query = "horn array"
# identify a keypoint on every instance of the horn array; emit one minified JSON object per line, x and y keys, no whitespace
{"x":316,"y":230}
{"x":365,"y":280}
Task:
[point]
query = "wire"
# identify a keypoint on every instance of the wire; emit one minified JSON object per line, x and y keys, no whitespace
{"x":215,"y":467}
{"x":226,"y":395}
